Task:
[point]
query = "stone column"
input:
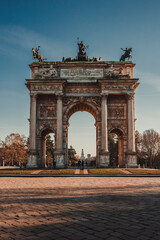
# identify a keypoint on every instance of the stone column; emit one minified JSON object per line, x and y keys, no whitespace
{"x":32,"y":157}
{"x":59,"y":152}
{"x":59,"y":123}
{"x":131,"y":154}
{"x":104,"y":124}
{"x":131,"y":133}
{"x":104,"y":155}
{"x":33,"y":104}
{"x":44,"y":152}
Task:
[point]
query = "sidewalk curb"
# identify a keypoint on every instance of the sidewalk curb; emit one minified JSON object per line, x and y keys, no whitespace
{"x":80,"y":175}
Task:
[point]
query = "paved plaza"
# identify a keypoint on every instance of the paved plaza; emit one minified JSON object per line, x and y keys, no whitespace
{"x":80,"y":208}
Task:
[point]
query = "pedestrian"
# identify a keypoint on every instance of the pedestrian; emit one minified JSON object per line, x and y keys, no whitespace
{"x":79,"y":163}
{"x":82,"y":164}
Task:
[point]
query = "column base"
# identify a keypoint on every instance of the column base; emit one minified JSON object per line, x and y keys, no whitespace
{"x":32,"y":160}
{"x":104,"y":159}
{"x":59,"y":158}
{"x":131,"y":158}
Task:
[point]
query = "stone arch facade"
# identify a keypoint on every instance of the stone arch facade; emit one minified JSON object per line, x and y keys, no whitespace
{"x":104,"y":89}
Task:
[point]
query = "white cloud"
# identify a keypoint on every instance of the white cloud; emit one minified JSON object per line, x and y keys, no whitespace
{"x":148,"y":78}
{"x":14,"y":39}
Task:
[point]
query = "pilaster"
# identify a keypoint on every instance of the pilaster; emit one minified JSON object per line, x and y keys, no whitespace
{"x":32,"y":155}
{"x":104,"y":154}
{"x":131,"y":154}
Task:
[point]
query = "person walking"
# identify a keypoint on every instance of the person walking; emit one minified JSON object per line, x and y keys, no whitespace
{"x":82,"y":164}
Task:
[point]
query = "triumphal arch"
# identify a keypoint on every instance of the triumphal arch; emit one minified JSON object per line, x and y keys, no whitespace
{"x":105,"y":89}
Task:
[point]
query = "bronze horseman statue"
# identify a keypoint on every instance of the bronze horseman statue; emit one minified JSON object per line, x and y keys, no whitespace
{"x":127,"y":54}
{"x":36,"y":54}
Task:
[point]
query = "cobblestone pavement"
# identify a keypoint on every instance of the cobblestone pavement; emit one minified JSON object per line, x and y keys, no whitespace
{"x":80,"y":208}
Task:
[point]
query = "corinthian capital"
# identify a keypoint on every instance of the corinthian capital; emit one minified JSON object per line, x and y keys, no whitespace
{"x":33,"y":95}
{"x":130,"y":96}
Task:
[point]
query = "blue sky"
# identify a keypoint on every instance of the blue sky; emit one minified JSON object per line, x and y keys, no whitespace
{"x":55,"y":25}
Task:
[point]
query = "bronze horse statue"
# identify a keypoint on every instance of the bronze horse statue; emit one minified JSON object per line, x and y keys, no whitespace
{"x":36,"y":54}
{"x":127,"y":54}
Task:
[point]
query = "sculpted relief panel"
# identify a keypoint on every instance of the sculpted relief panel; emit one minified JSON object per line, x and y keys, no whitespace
{"x":47,"y":111}
{"x":46,"y":72}
{"x":93,"y":100}
{"x":116,"y":111}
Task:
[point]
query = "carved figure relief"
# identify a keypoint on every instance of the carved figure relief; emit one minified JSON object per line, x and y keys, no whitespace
{"x":95,"y":100}
{"x":116,"y":111}
{"x":46,"y":72}
{"x":47,"y":111}
{"x":112,"y":71}
{"x":46,"y":124}
{"x":120,"y":124}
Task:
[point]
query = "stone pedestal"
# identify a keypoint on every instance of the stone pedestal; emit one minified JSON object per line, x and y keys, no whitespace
{"x":131,"y":158}
{"x":104,"y":159}
{"x":59,"y":158}
{"x":32,"y":160}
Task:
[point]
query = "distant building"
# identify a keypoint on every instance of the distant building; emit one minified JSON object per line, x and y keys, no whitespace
{"x":83,"y":157}
{"x":91,"y":161}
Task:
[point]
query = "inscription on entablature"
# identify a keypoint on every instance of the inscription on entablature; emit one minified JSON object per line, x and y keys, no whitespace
{"x":47,"y":111}
{"x":116,"y":111}
{"x":82,"y":90}
{"x":81,"y":74}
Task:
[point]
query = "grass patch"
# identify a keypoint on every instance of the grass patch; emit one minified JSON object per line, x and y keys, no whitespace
{"x":58,"y":171}
{"x":144,"y":171}
{"x":105,"y":171}
{"x":17,"y":171}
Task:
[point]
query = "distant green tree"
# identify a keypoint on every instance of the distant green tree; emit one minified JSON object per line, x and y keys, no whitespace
{"x":72,"y":155}
{"x":113,"y":150}
{"x":50,"y":145}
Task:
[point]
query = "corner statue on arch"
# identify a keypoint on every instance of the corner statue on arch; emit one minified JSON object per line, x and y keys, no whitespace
{"x":106,"y":89}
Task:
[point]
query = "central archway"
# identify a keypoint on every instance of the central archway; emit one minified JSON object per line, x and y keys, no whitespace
{"x":82,"y":107}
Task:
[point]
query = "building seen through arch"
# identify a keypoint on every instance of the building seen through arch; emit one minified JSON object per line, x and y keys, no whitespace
{"x":104,"y":89}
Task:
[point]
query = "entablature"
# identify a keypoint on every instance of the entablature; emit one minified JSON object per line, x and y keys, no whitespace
{"x":82,"y":71}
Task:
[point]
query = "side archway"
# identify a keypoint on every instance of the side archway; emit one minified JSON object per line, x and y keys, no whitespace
{"x":44,"y":133}
{"x":116,"y":145}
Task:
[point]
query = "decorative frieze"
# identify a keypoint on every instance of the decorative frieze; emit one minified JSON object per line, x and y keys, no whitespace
{"x":46,"y":87}
{"x":117,"y":111}
{"x":82,"y":90}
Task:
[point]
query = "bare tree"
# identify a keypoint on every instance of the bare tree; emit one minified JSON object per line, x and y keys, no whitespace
{"x":151,"y":146}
